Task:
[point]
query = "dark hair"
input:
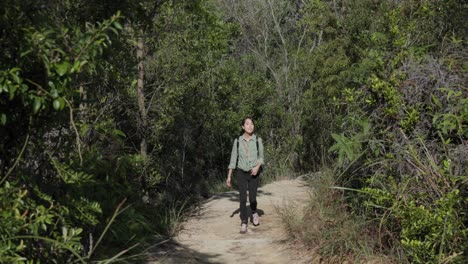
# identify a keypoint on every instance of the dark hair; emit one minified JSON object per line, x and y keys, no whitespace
{"x":243,"y":123}
{"x":245,"y":119}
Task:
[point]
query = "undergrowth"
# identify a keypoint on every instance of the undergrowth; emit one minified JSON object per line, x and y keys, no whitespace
{"x":328,"y":231}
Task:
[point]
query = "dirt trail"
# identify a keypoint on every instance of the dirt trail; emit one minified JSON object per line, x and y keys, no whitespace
{"x":212,"y":236}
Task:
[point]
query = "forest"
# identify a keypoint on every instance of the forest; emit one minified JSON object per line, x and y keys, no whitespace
{"x":118,"y":117}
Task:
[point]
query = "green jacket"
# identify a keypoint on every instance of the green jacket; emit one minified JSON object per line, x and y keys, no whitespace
{"x":248,"y":155}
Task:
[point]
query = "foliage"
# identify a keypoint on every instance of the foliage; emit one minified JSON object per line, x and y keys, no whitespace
{"x":376,"y":89}
{"x":48,"y":213}
{"x":326,"y":229}
{"x":385,"y":94}
{"x":29,"y":229}
{"x":413,"y":99}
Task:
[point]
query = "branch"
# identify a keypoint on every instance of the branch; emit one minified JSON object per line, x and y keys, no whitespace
{"x":19,"y":156}
{"x":78,"y":140}
{"x":279,"y":31}
{"x":116,"y":213}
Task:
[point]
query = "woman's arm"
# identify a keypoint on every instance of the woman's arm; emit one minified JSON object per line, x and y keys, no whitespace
{"x":260,"y":158}
{"x":232,"y":163}
{"x":228,"y":180}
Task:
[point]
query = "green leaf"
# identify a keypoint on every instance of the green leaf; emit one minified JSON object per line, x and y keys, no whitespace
{"x":54,"y":93}
{"x":76,"y":67}
{"x":51,"y":84}
{"x":24,"y":88}
{"x":61,"y":102}
{"x":60,"y":51}
{"x":114,"y":30}
{"x":24,"y":53}
{"x":15,"y":77}
{"x":118,"y":25}
{"x":119,"y":133}
{"x":12,"y":91}
{"x":436,"y":101}
{"x":63,"y":67}
{"x":3,"y":119}
{"x":56,"y":104}
{"x":83,"y":63}
{"x":37,"y":104}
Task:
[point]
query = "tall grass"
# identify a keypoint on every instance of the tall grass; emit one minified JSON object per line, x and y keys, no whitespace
{"x":327,"y":230}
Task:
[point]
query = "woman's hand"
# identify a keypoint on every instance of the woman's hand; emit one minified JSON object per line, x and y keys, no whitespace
{"x":255,"y":170}
{"x":228,"y":180}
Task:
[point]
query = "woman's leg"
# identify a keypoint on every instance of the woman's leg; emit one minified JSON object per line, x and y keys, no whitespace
{"x":242,"y":183}
{"x":253,"y":186}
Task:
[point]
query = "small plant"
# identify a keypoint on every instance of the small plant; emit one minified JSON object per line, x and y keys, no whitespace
{"x":350,"y":147}
{"x":326,"y":228}
{"x":28,"y":227}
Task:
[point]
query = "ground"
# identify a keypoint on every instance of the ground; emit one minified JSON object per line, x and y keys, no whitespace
{"x":212,"y":234}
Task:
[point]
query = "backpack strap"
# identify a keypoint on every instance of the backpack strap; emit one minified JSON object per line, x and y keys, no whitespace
{"x":258,"y":152}
{"x":237,"y":161}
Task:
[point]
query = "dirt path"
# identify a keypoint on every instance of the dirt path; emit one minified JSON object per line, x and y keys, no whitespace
{"x":212,"y":236}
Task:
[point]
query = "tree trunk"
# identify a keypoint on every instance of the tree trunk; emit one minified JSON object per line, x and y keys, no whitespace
{"x":141,"y":98}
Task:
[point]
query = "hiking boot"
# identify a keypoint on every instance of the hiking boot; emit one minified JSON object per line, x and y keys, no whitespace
{"x":243,"y":229}
{"x":256,"y":219}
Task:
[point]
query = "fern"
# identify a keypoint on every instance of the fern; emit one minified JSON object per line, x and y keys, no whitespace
{"x":350,"y":147}
{"x":70,"y":176}
{"x":89,"y":210}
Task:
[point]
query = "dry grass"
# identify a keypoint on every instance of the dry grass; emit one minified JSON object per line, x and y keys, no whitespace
{"x":324,"y":232}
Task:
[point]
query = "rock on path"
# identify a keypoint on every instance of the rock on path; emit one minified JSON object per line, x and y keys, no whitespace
{"x":212,"y":236}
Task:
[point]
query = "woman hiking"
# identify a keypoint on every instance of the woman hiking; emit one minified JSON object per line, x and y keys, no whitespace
{"x":247,"y":159}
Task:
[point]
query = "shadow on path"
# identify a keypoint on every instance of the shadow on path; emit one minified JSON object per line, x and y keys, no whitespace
{"x":234,"y":195}
{"x":173,"y":252}
{"x":237,"y":211}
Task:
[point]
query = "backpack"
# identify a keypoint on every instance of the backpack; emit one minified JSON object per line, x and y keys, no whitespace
{"x":258,"y":154}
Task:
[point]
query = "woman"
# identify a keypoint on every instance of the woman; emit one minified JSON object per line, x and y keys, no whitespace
{"x":247,"y":159}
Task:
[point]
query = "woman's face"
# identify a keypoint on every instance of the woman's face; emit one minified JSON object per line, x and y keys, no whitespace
{"x":248,"y":126}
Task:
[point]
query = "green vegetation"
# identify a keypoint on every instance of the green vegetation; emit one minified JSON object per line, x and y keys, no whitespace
{"x":116,"y":117}
{"x":393,"y":78}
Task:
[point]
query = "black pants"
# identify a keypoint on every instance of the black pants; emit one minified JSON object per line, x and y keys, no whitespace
{"x":246,"y":181}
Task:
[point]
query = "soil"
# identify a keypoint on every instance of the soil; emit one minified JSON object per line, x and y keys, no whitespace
{"x":212,"y":235}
